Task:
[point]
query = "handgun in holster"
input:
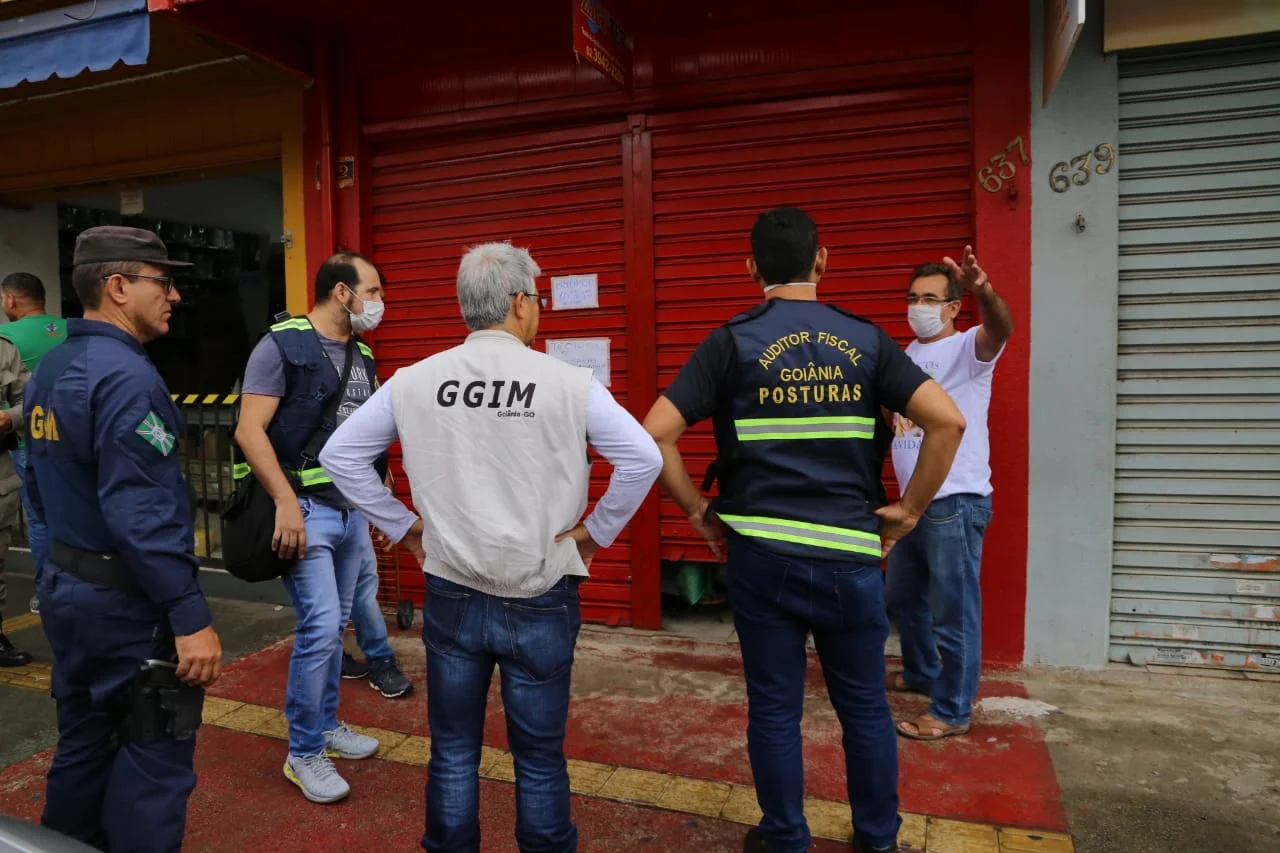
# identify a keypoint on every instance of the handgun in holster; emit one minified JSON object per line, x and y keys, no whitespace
{"x":158,"y":704}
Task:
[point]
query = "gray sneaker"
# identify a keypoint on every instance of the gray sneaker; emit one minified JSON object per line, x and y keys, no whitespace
{"x":346,"y":742}
{"x":316,"y":776}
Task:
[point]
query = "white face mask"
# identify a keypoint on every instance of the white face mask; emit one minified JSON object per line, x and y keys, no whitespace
{"x":925,"y":320}
{"x":369,"y":320}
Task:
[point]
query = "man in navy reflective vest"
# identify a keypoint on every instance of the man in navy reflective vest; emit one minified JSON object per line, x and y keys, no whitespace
{"x":305,"y":368}
{"x":794,"y":389}
{"x":120,"y":598}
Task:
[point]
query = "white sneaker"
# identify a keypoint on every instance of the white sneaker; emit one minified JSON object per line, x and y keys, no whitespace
{"x":316,"y":776}
{"x":346,"y":742}
{"x":35,"y":604}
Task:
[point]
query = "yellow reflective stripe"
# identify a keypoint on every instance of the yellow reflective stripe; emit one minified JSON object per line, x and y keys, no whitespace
{"x":779,"y":436}
{"x":364,"y":348}
{"x":805,"y":533}
{"x":313,"y":477}
{"x":300,"y":323}
{"x":307,"y":476}
{"x":772,"y":429}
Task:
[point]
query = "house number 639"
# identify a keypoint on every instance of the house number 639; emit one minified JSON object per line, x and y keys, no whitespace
{"x":1081,"y":168}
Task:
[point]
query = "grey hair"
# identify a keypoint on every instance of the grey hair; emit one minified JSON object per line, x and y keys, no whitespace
{"x":488,"y":277}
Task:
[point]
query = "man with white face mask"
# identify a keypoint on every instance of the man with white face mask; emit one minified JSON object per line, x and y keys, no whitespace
{"x":305,"y":368}
{"x":932,"y":590}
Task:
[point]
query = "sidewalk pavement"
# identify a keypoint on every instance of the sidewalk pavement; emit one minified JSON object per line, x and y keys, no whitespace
{"x":658,"y":758}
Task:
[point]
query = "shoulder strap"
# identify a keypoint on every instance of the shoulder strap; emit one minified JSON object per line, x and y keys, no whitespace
{"x":316,"y":443}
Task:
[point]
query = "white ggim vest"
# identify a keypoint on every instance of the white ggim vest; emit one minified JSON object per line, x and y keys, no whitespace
{"x":494,"y":436}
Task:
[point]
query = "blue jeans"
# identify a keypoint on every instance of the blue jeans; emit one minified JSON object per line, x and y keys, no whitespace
{"x":37,"y":530}
{"x":777,"y":601}
{"x":531,"y":640}
{"x":370,"y":624}
{"x":321,"y":586}
{"x":936,"y":601}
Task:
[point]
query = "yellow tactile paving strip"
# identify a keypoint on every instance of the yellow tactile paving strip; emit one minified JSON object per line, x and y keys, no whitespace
{"x":17,"y":623}
{"x":33,"y":676}
{"x":735,"y":803}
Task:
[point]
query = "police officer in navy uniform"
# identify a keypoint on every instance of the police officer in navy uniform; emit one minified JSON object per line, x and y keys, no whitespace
{"x":795,"y":390}
{"x":120,"y":599}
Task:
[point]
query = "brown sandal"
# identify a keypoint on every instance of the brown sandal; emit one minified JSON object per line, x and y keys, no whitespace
{"x":935,"y":728}
{"x":896,"y":683}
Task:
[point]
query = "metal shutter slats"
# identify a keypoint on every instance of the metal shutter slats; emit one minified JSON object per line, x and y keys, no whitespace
{"x":1197,"y":474}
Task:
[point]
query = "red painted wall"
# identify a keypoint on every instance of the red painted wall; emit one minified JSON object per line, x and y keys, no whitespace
{"x":515,"y":72}
{"x":1002,"y":111}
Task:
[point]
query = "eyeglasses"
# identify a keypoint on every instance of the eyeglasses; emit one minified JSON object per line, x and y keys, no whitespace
{"x":541,"y":300}
{"x":168,"y":282}
{"x":913,"y":299}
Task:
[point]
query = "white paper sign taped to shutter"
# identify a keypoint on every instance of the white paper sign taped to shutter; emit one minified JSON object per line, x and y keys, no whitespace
{"x":130,"y":202}
{"x":575,"y":291}
{"x":584,"y":352}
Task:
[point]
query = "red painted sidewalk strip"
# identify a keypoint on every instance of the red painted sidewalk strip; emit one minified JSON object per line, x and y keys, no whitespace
{"x":243,"y":802}
{"x":689,"y":718}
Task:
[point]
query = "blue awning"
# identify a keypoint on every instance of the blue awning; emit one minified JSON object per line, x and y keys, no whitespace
{"x":55,"y":43}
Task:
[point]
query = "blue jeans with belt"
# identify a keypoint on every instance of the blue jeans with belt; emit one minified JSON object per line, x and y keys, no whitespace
{"x":935,"y":599}
{"x":531,"y":641}
{"x":778,"y":600}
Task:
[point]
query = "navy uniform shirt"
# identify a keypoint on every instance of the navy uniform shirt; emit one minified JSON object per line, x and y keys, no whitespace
{"x":105,"y":472}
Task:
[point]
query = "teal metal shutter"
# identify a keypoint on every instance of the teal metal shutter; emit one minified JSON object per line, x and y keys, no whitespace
{"x":1197,"y":473}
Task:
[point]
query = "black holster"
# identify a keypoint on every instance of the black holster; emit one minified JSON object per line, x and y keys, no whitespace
{"x":157,"y":705}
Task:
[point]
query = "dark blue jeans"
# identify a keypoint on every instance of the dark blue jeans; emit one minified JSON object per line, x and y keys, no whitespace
{"x":531,"y":640}
{"x":935,"y":599}
{"x":777,"y":601}
{"x":131,"y":797}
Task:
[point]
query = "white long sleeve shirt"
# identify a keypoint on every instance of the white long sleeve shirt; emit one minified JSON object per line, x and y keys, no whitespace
{"x":349,"y":455}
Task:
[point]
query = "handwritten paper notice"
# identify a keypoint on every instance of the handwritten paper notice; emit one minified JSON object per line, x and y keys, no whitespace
{"x":130,"y":202}
{"x":574,"y":291}
{"x":584,"y":352}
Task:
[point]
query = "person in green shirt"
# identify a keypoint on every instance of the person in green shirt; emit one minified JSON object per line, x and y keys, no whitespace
{"x":34,"y":332}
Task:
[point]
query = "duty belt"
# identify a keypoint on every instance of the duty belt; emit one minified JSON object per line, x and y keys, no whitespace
{"x":93,"y":567}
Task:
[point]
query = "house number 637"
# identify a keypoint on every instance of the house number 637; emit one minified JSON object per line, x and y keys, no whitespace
{"x":993,"y":177}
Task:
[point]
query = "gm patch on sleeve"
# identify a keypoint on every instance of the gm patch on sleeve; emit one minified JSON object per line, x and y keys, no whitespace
{"x":155,"y":433}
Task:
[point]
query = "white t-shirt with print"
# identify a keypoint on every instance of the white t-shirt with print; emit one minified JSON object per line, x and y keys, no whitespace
{"x":953,"y":363}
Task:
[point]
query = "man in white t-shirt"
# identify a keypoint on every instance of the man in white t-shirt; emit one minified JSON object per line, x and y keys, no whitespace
{"x":932,"y":591}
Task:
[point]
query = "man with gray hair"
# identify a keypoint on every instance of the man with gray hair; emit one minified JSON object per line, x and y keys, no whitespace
{"x":495,"y":438}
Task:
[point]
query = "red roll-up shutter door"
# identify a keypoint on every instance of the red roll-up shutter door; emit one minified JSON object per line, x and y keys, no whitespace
{"x":885,"y":175}
{"x":559,"y":194}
